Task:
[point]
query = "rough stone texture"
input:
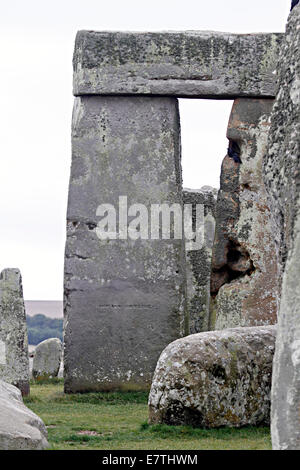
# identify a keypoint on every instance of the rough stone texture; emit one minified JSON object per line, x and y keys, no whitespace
{"x":193,"y":63}
{"x":198,"y":263}
{"x":47,"y":358}
{"x":124,"y":299}
{"x":281,"y":168}
{"x":244,"y":283}
{"x":282,"y":177}
{"x":20,"y":428}
{"x":14,"y":361}
{"x":213,"y":379}
{"x":60,"y":374}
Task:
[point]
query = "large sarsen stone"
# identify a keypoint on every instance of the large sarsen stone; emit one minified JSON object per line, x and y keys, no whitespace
{"x":192,"y":63}
{"x":14,"y":360}
{"x":282,"y":177}
{"x":217,"y":378}
{"x":20,"y":428}
{"x":124,"y":297}
{"x":244,"y":281}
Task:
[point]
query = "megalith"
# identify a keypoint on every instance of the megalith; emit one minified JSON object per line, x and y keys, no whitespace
{"x":282,"y":177}
{"x":125,"y":298}
{"x":20,"y":428}
{"x":124,"y":295}
{"x":198,"y":258}
{"x":202,"y":64}
{"x":244,"y":279}
{"x":47,"y":359}
{"x":215,"y":378}
{"x":14,"y":359}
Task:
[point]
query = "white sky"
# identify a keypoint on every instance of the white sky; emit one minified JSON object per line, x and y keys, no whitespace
{"x":36,"y":46}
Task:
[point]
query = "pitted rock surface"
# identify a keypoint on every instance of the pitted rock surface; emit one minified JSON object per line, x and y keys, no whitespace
{"x":216,"y":378}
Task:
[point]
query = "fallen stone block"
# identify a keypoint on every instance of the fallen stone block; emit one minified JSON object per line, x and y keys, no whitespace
{"x":20,"y":428}
{"x":47,"y":359}
{"x":213,"y":379}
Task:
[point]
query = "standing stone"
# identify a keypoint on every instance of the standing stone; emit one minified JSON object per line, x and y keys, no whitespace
{"x":198,"y":261}
{"x":20,"y":428}
{"x":124,"y":298}
{"x":282,"y":176}
{"x":14,"y":361}
{"x":244,"y":283}
{"x":47,"y":358}
{"x":215,"y":378}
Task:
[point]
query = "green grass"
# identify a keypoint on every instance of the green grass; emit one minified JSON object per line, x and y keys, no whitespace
{"x":118,"y":420}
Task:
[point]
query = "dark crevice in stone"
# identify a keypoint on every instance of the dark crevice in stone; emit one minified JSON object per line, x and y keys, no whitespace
{"x":238,"y":264}
{"x":234,"y":151}
{"x":77,"y":223}
{"x":245,"y":186}
{"x":218,"y":372}
{"x":91,"y":225}
{"x":75,"y":255}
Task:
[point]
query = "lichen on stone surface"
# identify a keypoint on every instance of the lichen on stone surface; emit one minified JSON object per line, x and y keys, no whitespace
{"x":215,"y":379}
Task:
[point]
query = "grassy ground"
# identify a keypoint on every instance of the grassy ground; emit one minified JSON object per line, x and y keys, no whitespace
{"x":119,"y":421}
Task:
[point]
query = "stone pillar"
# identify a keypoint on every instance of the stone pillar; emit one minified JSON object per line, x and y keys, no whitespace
{"x":282,"y":177}
{"x":124,"y":298}
{"x":14,"y":360}
{"x":198,"y":261}
{"x":244,"y":283}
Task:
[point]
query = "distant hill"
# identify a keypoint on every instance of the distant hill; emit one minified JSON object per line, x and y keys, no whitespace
{"x":49,"y":308}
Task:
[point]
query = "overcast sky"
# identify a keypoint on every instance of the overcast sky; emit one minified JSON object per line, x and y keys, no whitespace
{"x":36,"y":46}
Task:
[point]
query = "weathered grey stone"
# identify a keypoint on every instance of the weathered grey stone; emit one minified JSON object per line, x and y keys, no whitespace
{"x":60,"y":374}
{"x":14,"y":361}
{"x":281,"y":166}
{"x":192,"y":63}
{"x":124,"y":298}
{"x":282,"y":177}
{"x":20,"y":428}
{"x":47,"y":358}
{"x":244,"y":282}
{"x":198,"y":265}
{"x":216,"y":378}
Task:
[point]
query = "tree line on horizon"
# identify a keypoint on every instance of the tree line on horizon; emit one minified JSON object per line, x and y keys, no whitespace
{"x":41,"y":327}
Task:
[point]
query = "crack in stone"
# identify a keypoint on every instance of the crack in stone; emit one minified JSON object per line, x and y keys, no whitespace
{"x":238,"y":265}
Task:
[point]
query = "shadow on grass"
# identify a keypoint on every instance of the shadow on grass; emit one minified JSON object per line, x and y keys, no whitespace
{"x":112,"y":398}
{"x":165,"y":431}
{"x":91,"y":398}
{"x":47,"y":381}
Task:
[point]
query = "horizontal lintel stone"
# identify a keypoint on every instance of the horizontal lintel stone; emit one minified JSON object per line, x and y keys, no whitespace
{"x":203,"y":64}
